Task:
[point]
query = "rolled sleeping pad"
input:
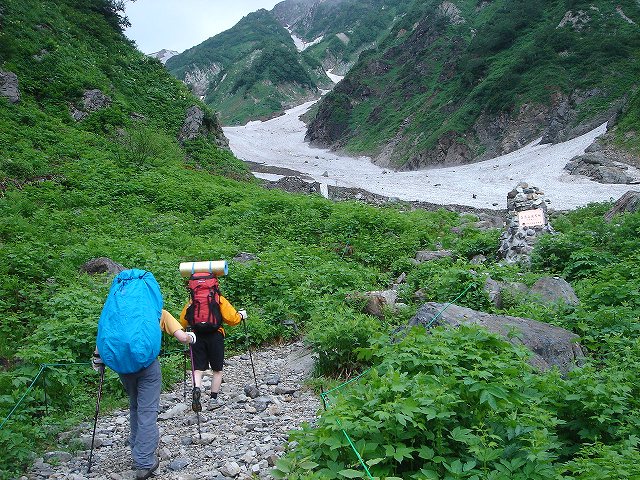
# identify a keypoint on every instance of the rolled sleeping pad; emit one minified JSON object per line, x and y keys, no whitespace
{"x":217,"y":267}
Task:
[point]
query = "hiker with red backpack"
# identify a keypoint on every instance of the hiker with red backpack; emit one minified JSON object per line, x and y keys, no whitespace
{"x":205,"y":313}
{"x":128,"y":341}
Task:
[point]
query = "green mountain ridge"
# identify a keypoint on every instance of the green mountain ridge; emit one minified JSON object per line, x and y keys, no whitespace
{"x":253,"y":70}
{"x":433,"y":83}
{"x":476,"y":80}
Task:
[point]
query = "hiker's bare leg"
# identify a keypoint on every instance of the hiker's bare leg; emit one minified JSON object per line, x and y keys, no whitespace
{"x":216,"y":381}
{"x":197,"y":376}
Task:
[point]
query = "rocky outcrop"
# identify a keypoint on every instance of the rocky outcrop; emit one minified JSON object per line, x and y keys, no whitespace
{"x":577,"y":20}
{"x":197,"y":124}
{"x":564,"y":124}
{"x":551,"y":346}
{"x":92,"y":100}
{"x":199,"y":80}
{"x":452,"y":12}
{"x":102,"y":265}
{"x":9,"y":86}
{"x":603,"y":170}
{"x":629,"y":202}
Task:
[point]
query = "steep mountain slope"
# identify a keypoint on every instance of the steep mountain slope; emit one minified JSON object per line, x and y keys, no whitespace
{"x":254,"y":69}
{"x":81,"y":83}
{"x":460,"y":81}
{"x":339,"y":30}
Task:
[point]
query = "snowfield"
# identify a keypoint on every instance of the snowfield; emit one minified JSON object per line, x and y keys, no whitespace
{"x":279,"y":142}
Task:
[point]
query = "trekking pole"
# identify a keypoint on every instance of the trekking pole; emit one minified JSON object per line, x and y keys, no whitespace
{"x":95,"y":420}
{"x":246,"y":335}
{"x":184,"y":378}
{"x":193,"y":380}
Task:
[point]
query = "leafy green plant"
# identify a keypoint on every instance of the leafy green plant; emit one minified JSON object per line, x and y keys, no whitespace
{"x":450,"y":404}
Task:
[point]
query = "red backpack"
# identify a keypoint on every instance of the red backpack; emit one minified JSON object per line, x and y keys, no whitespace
{"x":203,"y":315}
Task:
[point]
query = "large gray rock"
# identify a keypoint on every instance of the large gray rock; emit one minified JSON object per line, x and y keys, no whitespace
{"x":554,"y":289}
{"x":551,"y":346}
{"x":429,"y":255}
{"x":196,"y":125}
{"x":600,"y":168}
{"x":496,"y":290}
{"x":92,"y":100}
{"x":102,"y":265}
{"x":9,"y":86}
{"x":629,"y":202}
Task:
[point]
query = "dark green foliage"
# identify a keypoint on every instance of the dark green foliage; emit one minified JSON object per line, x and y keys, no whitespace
{"x":277,"y":64}
{"x":460,"y":403}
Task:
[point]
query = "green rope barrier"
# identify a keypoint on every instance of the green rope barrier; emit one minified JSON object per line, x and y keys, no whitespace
{"x":449,"y":304}
{"x":42,"y":367}
{"x":353,"y":447}
{"x":324,"y":394}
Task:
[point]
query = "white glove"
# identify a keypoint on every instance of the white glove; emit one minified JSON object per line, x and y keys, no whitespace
{"x":96,"y":363}
{"x":243,"y":314}
{"x":191,"y":337}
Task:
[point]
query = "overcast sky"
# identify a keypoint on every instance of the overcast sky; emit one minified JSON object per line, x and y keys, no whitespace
{"x":181,"y":24}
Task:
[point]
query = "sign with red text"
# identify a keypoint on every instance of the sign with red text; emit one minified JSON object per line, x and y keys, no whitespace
{"x":531,"y":218}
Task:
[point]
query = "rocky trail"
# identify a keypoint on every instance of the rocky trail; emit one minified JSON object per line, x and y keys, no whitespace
{"x":242,"y":435}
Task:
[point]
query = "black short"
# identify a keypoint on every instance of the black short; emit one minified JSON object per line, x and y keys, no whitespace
{"x":208,"y":351}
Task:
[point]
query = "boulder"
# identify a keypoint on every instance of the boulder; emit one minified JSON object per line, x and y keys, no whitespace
{"x":598,"y":167}
{"x":377,"y":301}
{"x":102,"y":265}
{"x":495,"y":290}
{"x":92,"y":100}
{"x":196,"y":125}
{"x":428,"y":255}
{"x":244,"y":257}
{"x":554,"y":289}
{"x":9,"y":86}
{"x":551,"y":346}
{"x":629,"y":202}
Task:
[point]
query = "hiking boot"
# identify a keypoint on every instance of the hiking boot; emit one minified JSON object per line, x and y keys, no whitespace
{"x":196,"y":406}
{"x":142,"y":473}
{"x":215,"y":403}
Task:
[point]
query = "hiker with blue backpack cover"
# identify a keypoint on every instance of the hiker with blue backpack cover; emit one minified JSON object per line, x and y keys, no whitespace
{"x":128,"y":341}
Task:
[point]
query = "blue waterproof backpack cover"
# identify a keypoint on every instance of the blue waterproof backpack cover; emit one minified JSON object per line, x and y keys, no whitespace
{"x":129,"y":334}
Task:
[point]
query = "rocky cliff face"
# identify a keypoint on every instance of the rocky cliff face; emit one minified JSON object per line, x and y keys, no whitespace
{"x":448,"y":87}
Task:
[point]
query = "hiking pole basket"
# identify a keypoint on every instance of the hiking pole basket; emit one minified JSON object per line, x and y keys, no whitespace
{"x":246,"y":335}
{"x":95,"y":420}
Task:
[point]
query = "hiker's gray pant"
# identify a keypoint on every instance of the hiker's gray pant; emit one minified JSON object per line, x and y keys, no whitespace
{"x":144,"y":388}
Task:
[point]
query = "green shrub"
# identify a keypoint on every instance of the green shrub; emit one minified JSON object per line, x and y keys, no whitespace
{"x":450,"y":404}
{"x":336,"y":338}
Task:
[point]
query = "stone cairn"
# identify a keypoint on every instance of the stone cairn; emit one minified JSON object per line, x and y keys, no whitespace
{"x":527,"y":220}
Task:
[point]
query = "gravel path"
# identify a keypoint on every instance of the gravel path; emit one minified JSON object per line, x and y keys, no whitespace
{"x":241,"y":437}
